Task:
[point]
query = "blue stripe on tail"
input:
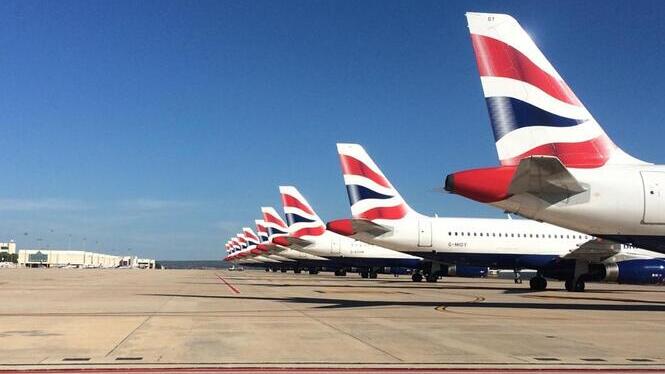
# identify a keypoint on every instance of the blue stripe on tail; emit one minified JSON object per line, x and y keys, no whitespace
{"x":508,"y":114}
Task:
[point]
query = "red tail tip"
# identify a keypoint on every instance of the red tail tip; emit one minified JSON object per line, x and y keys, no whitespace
{"x":281,"y":240}
{"x":341,"y":226}
{"x":485,"y":185}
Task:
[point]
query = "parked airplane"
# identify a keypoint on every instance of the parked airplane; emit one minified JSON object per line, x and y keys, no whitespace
{"x":557,"y":163}
{"x":382,"y":217}
{"x":308,"y":233}
{"x":262,"y":234}
{"x":252,"y":250}
{"x":276,"y":227}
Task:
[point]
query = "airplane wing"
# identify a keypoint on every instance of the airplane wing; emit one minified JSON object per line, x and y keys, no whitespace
{"x":356,"y":228}
{"x":544,"y":176}
{"x":594,"y":251}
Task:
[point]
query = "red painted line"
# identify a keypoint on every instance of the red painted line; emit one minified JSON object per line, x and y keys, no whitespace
{"x":229,"y":285}
{"x":347,"y":370}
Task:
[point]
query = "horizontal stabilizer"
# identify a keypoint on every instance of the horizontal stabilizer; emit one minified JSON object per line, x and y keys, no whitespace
{"x":357,"y":227}
{"x":544,"y":176}
{"x":291,"y":242}
{"x":594,"y":251}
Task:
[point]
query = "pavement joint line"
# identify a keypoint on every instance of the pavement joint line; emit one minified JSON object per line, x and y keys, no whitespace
{"x":229,"y":285}
{"x":344,"y":332}
{"x":141,"y":325}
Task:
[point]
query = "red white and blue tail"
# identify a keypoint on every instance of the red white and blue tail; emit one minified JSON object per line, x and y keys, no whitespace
{"x":532,"y":110}
{"x":274,"y":224}
{"x":250,"y":236}
{"x":300,"y":216}
{"x":242,"y":242}
{"x":261,"y":230}
{"x":371,"y":195}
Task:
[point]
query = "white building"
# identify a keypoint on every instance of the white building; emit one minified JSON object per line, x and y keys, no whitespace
{"x":8,"y":247}
{"x":77,"y":259}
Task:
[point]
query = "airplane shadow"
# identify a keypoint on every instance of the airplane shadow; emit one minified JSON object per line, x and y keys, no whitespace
{"x":445,"y":285}
{"x":328,"y":303}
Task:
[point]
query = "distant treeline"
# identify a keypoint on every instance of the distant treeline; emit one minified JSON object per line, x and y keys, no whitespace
{"x":192,"y":264}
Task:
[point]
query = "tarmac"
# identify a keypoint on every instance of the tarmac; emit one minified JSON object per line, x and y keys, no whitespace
{"x":220,"y":321}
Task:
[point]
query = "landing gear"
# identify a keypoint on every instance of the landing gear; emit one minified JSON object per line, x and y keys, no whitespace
{"x":573,"y":285}
{"x":364,"y":275}
{"x":297,"y":271}
{"x":274,"y":270}
{"x":267,"y":270}
{"x":538,"y":283}
{"x":283,"y":270}
{"x":518,"y":277}
{"x":373,"y":275}
{"x":417,"y":277}
{"x":432,"y":278}
{"x":313,"y":271}
{"x":340,"y":273}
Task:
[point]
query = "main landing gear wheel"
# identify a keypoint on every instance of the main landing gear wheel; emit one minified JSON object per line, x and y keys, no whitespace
{"x":313,"y":271}
{"x":575,"y":286}
{"x":297,"y":271}
{"x":417,"y":277}
{"x":364,"y":274}
{"x":373,"y":275}
{"x":432,"y":278}
{"x":267,"y":270}
{"x":282,"y":270}
{"x":340,"y":273}
{"x":538,"y":283}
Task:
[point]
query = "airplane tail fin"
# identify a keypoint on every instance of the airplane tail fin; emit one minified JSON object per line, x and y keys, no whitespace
{"x":371,"y":195}
{"x":300,"y":216}
{"x":532,"y":110}
{"x":275,"y":225}
{"x":242,"y":242}
{"x":250,"y":236}
{"x":261,"y":230}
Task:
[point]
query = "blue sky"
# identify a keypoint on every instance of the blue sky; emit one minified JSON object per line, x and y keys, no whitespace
{"x":159,"y":128}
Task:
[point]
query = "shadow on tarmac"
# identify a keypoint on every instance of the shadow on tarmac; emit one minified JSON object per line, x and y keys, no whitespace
{"x":327,"y":303}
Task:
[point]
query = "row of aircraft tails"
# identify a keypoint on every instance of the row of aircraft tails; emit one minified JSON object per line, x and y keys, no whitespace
{"x":597,"y":213}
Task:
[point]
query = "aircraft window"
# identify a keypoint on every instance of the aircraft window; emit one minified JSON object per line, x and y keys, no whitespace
{"x":493,"y":234}
{"x":481,"y":234}
{"x":530,"y":235}
{"x":537,"y":235}
{"x":449,"y":233}
{"x":518,"y":235}
{"x":468,"y":234}
{"x":461,"y":233}
{"x":512,"y":235}
{"x":567,"y":236}
{"x":455,"y":233}
{"x":475,"y":234}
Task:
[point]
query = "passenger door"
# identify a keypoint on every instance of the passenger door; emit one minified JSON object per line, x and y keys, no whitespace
{"x":334,"y":247}
{"x":654,"y":197}
{"x":424,"y":233}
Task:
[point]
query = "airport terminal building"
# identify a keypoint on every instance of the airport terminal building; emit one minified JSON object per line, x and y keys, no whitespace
{"x":79,"y":259}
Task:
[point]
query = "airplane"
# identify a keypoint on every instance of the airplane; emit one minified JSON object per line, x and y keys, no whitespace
{"x":262,"y":234}
{"x":557,"y":163}
{"x":308,"y":233}
{"x":244,"y":254}
{"x":252,"y":250}
{"x":276,"y":227}
{"x":382,"y":217}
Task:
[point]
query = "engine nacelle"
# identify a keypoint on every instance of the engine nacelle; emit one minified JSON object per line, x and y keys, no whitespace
{"x":650,"y":271}
{"x":465,"y":271}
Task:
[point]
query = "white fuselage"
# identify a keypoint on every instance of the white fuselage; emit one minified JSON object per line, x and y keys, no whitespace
{"x":622,"y":202}
{"x":332,"y":245}
{"x":464,"y":238}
